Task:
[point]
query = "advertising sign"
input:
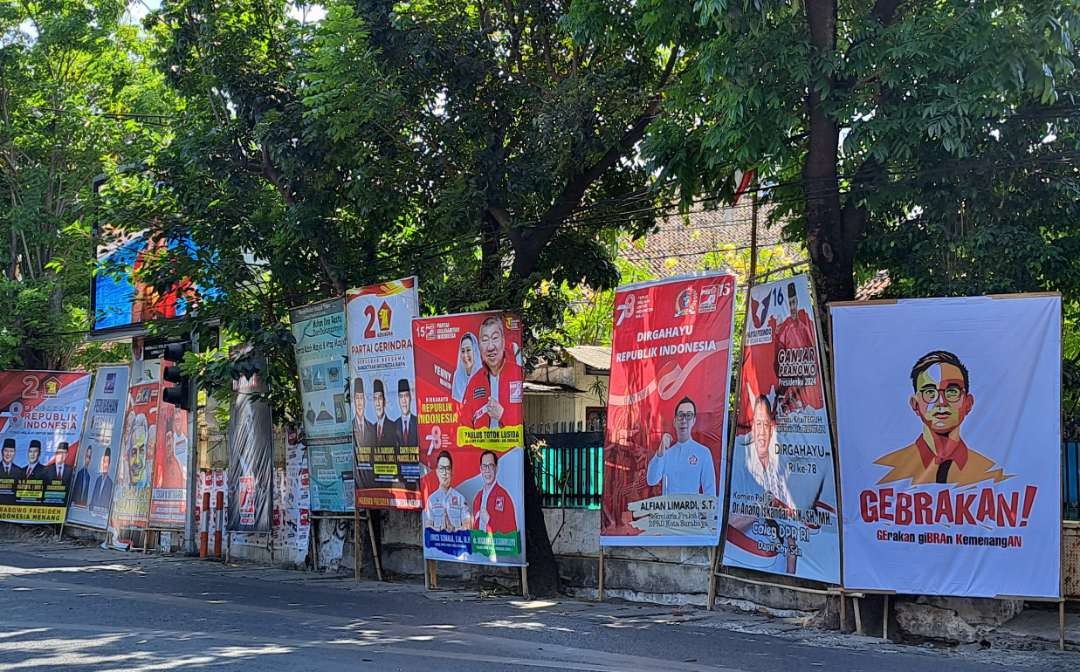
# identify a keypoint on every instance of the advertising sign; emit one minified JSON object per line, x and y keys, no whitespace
{"x":40,"y":425}
{"x":949,"y":431}
{"x":168,"y":498}
{"x":99,"y":449}
{"x":782,"y":512}
{"x":119,"y":298}
{"x":321,"y":356}
{"x":251,"y":451}
{"x":130,"y":514}
{"x":667,"y":412}
{"x":383,"y":386}
{"x":469,"y":391}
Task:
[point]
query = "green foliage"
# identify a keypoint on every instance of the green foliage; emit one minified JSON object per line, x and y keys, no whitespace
{"x":71,"y":75}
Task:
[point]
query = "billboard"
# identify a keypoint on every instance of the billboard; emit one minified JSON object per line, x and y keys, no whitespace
{"x":321,"y":357}
{"x":949,"y":430}
{"x":782,"y":512}
{"x":41,"y":420}
{"x":119,"y":299}
{"x":667,"y":412}
{"x":130,"y":513}
{"x":251,"y":451}
{"x":383,"y":388}
{"x":99,"y":449}
{"x":469,"y":391}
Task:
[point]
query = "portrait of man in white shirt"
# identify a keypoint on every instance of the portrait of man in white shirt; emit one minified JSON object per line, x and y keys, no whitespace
{"x":684,"y":467}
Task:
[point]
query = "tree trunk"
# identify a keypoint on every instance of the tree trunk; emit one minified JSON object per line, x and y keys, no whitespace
{"x":544,"y":578}
{"x":832,"y":253}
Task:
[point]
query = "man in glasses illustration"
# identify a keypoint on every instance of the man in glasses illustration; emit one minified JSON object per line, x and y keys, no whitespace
{"x":685,"y":467}
{"x":942,"y":399}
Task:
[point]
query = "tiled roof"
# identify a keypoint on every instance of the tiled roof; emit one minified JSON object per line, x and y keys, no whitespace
{"x":595,"y":356}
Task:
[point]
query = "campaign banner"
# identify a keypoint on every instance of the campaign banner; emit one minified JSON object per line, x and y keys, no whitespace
{"x":949,"y":430}
{"x":471,"y":437}
{"x":667,"y":412}
{"x":321,"y":350}
{"x":40,"y":427}
{"x":130,"y":513}
{"x":251,"y":451}
{"x":782,"y":512}
{"x":99,"y":449}
{"x":168,"y":494}
{"x":383,"y":386}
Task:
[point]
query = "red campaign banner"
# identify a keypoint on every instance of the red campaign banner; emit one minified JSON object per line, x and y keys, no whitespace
{"x":667,"y":412}
{"x":41,"y":419}
{"x":168,"y":499}
{"x":469,"y":386}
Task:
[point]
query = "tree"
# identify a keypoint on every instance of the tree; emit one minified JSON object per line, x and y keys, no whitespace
{"x":486,"y":146}
{"x":854,"y":112}
{"x":72,"y":77}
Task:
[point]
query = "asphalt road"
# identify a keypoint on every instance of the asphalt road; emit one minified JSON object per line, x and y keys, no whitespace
{"x":85,"y":609}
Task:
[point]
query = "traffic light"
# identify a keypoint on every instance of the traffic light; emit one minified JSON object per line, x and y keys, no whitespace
{"x":180,"y":393}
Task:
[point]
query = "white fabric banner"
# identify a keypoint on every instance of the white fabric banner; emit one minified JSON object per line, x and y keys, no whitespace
{"x":949,"y":432}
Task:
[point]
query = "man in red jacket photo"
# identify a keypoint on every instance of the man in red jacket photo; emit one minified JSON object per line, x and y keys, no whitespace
{"x":493,"y":509}
{"x":493,"y":396}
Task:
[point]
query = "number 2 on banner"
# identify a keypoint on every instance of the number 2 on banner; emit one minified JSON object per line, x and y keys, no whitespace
{"x":369,"y":330}
{"x":32,"y":387}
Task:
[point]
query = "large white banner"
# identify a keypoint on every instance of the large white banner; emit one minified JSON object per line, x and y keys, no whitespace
{"x":948,"y":423}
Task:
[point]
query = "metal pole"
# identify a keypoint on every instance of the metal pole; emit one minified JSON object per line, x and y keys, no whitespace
{"x":190,"y":524}
{"x":753,"y":233}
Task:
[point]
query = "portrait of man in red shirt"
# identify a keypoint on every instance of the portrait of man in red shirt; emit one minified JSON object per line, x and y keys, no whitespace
{"x":493,"y":509}
{"x":796,"y":355}
{"x":493,"y":396}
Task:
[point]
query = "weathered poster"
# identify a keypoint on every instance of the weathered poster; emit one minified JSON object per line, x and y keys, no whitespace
{"x":168,"y":496}
{"x":782,"y":511}
{"x":383,"y":388}
{"x":99,"y":449}
{"x":948,"y":423}
{"x":469,"y":391}
{"x":322,"y":359}
{"x":251,"y":451}
{"x":130,"y":515}
{"x":667,"y":412}
{"x":40,"y":426}
{"x":294,"y":530}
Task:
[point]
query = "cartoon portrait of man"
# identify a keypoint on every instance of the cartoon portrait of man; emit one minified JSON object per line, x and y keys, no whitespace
{"x":942,"y":400}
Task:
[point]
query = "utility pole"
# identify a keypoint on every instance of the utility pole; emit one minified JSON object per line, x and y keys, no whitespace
{"x":190,"y":524}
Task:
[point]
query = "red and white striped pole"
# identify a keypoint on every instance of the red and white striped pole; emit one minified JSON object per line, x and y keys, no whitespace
{"x":203,"y":532}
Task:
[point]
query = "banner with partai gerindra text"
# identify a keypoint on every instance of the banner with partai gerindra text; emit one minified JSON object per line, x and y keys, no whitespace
{"x":383,"y":390}
{"x":322,"y":357}
{"x":469,"y":387}
{"x":251,"y":452}
{"x":782,"y":493}
{"x":40,"y":426}
{"x":667,"y":412}
{"x":99,"y":450}
{"x":949,"y":431}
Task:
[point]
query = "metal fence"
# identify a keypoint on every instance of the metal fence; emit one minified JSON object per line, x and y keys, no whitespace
{"x":571,"y":473}
{"x":1071,"y":467}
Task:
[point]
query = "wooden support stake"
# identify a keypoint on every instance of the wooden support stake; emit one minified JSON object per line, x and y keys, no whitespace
{"x":600,"y":578}
{"x":374,"y":546}
{"x":1061,"y":624}
{"x":358,"y":549}
{"x":714,"y":555}
{"x":433,"y":574}
{"x":857,"y":603}
{"x":885,"y":619}
{"x":525,"y":581}
{"x":843,"y":611}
